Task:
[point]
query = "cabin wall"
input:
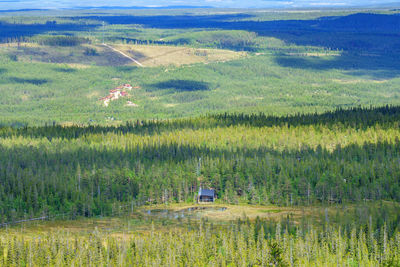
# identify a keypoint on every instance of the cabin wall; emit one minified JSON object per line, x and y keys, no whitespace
{"x":206,"y":199}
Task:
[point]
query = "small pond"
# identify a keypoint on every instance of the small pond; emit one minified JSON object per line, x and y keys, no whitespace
{"x":192,"y":212}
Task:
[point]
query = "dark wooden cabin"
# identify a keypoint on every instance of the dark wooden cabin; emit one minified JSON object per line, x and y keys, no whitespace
{"x":206,"y":195}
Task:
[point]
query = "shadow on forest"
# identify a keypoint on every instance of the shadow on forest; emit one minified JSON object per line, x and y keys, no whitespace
{"x":174,"y":152}
{"x":357,"y":118}
{"x":11,"y":30}
{"x":356,"y":31}
{"x":138,"y":55}
{"x":65,"y":70}
{"x":30,"y":81}
{"x":369,"y":41}
{"x":373,"y":66}
{"x":181,"y":85}
{"x":126,"y":68}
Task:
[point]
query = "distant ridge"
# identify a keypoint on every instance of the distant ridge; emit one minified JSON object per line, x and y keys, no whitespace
{"x":20,"y":5}
{"x":141,"y":7}
{"x":22,"y":10}
{"x":105,"y":8}
{"x":385,"y":5}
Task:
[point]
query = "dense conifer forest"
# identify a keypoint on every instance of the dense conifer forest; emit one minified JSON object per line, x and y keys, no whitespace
{"x":342,"y":156}
{"x":241,"y":244}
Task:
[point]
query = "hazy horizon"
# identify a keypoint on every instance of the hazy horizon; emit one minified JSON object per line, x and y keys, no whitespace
{"x":60,"y":4}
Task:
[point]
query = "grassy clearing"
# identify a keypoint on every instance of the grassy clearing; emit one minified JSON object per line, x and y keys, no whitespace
{"x":151,"y":56}
{"x":232,"y":212}
{"x":140,"y":221}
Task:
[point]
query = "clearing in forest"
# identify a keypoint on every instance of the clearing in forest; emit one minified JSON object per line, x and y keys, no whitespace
{"x":118,"y":54}
{"x":151,"y":55}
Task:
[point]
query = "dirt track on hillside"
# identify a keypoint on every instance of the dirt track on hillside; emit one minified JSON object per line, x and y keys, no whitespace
{"x":125,"y":55}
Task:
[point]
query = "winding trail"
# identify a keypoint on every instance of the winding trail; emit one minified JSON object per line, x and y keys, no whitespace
{"x":125,"y":55}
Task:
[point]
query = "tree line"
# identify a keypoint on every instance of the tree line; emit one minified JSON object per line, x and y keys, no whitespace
{"x":86,"y":170}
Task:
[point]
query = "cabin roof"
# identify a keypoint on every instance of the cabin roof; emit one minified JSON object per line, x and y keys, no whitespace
{"x":207,"y":192}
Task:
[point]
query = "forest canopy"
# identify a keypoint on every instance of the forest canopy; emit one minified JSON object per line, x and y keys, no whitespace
{"x":342,"y":156}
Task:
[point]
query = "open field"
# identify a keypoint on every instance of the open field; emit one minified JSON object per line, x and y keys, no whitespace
{"x":152,"y":56}
{"x":149,"y":55}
